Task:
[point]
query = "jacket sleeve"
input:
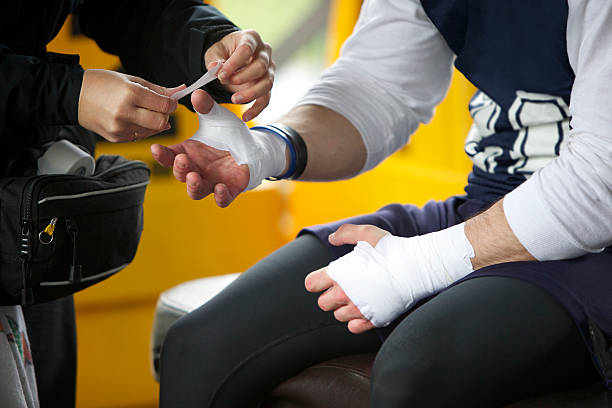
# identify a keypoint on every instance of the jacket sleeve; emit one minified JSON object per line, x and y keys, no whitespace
{"x":162,"y":41}
{"x":30,"y":86}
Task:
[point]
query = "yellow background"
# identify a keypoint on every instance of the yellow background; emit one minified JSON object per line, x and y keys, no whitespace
{"x":186,"y":239}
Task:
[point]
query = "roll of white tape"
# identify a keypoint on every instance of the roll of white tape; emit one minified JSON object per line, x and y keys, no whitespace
{"x":63,"y":157}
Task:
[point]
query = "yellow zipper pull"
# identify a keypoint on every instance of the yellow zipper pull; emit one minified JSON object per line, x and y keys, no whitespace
{"x":46,"y":237}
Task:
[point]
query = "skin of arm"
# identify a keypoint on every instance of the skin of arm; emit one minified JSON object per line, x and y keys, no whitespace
{"x":335,"y":148}
{"x":493,"y":240}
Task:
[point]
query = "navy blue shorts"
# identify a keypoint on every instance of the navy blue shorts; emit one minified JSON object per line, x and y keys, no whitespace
{"x":583,"y":285}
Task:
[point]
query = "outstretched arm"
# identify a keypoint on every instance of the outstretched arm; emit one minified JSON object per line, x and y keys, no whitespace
{"x":392,"y":72}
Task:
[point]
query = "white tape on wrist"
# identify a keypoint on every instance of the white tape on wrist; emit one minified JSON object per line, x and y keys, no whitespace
{"x":264,"y":153}
{"x":383,"y":282}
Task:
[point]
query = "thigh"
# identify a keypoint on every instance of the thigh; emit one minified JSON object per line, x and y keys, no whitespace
{"x":263,"y":328}
{"x":52,"y":331}
{"x":485,"y":342}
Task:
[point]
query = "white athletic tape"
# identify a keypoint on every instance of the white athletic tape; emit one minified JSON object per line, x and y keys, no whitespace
{"x":209,"y":76}
{"x":383,"y":282}
{"x":62,"y":157}
{"x":264,"y":153}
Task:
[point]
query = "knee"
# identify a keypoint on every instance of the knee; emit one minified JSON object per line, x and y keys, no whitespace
{"x":401,"y":382}
{"x":177,"y":345}
{"x":189,"y":342}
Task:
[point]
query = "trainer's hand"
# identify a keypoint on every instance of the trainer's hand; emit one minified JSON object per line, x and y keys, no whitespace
{"x":123,"y":108}
{"x":334,"y":299}
{"x":248,"y":70}
{"x":204,"y":169}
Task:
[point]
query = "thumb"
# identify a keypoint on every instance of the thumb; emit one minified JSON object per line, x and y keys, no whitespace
{"x":202,"y":102}
{"x":172,"y":91}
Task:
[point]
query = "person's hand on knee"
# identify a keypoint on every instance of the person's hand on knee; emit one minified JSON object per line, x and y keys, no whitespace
{"x":385,"y":275}
{"x":334,"y":298}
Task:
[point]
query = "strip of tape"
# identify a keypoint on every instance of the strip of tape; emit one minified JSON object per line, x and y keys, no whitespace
{"x":209,"y":76}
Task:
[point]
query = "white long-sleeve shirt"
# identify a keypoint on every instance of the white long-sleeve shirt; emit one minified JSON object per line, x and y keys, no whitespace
{"x":396,"y":68}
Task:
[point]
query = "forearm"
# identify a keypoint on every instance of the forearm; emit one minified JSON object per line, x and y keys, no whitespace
{"x":493,"y":240}
{"x":392,"y":72}
{"x":335,"y":147}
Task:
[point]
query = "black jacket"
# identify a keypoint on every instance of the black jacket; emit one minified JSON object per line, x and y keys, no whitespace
{"x":162,"y":41}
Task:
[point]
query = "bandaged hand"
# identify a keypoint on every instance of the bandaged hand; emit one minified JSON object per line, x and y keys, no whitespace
{"x":223,"y":157}
{"x":385,"y":275}
{"x":248,"y":70}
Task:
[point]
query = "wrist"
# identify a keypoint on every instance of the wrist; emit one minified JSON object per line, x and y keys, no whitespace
{"x":274,"y":155}
{"x":296,"y":154}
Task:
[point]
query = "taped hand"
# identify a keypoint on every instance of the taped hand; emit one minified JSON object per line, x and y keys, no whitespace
{"x":385,"y":275}
{"x":224,"y":157}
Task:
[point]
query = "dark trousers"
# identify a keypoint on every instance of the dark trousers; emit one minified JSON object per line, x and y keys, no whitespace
{"x":52,"y":331}
{"x":484,"y":342}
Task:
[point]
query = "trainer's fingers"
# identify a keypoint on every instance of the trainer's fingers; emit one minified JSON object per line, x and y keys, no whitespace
{"x":197,"y":187}
{"x":255,"y":90}
{"x":258,"y":68}
{"x":172,"y":91}
{"x":357,"y":326}
{"x":318,"y":281}
{"x":255,"y":109}
{"x":150,"y":120}
{"x":246,"y":47}
{"x":155,"y":101}
{"x":163,"y":155}
{"x":161,"y":90}
{"x":134,"y":133}
{"x":182,"y":166}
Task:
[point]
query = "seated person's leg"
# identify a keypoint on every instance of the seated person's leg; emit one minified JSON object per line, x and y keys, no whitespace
{"x":263,"y":328}
{"x":485,"y":342}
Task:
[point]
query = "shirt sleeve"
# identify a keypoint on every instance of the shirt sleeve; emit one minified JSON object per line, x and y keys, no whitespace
{"x":565,"y":209}
{"x":392,"y":71}
{"x":163,"y":41}
{"x":31,"y":85}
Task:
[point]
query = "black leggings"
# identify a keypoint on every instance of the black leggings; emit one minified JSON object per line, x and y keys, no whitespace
{"x":485,"y":342}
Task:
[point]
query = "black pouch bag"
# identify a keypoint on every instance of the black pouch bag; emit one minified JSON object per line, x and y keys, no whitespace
{"x":62,"y":233}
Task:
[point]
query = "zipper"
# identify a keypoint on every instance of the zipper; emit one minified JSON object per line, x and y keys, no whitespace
{"x":25,"y":245}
